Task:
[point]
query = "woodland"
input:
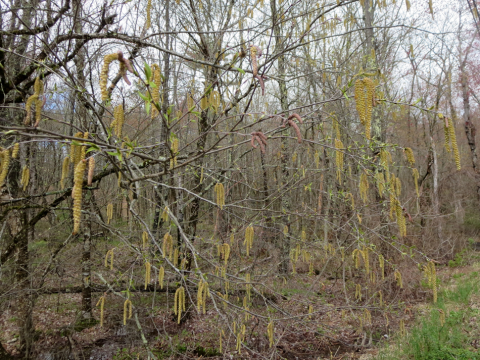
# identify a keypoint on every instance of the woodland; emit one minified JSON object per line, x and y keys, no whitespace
{"x":241,"y":179}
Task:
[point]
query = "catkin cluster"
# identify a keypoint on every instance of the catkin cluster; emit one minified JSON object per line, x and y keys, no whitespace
{"x":77,"y":194}
{"x":202,"y":294}
{"x":220,"y":195}
{"x":35,"y":99}
{"x":339,"y":158}
{"x":179,"y":303}
{"x":358,"y":292}
{"x":364,"y":187}
{"x":225,"y":252}
{"x":364,"y":98}
{"x":248,"y":239}
{"x":5,"y":158}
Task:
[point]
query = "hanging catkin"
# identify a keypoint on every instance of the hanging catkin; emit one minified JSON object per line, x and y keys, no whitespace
{"x":16,"y":149}
{"x":109,"y":213}
{"x":65,"y":167}
{"x":161,"y":276}
{"x":107,"y":60}
{"x":364,"y":187}
{"x":167,"y":247}
{"x":101,"y":302}
{"x":148,"y":23}
{"x":248,"y":239}
{"x":339,"y":158}
{"x":410,"y":157}
{"x":157,"y":80}
{"x":119,"y":115}
{"x":77,"y":195}
{"x":127,"y":308}
{"x":220,"y":195}
{"x":270,"y":333}
{"x":25,"y":177}
{"x":179,"y":302}
{"x":453,"y":140}
{"x":91,"y":169}
{"x":364,"y":97}
{"x":5,"y":164}
{"x":148,"y":271}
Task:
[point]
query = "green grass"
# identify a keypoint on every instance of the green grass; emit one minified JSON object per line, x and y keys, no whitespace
{"x":434,"y":339}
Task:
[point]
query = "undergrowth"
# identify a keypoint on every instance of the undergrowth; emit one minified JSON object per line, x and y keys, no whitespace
{"x":444,"y":332}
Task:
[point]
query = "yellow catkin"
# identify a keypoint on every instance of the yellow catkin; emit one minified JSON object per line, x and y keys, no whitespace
{"x":164,"y":217}
{"x":270,"y":333}
{"x":101,"y":302}
{"x":15,"y":151}
{"x":248,"y":239}
{"x":409,"y":155}
{"x":109,"y":213}
{"x":358,"y":292}
{"x":446,"y":130}
{"x":25,"y":177}
{"x":175,"y":257}
{"x":77,"y":195}
{"x":220,"y":194}
{"x":393,"y":199}
{"x":119,"y":119}
{"x":179,"y":302}
{"x":220,"y":342}
{"x":356,"y":257}
{"x":28,"y":107}
{"x":65,"y":167}
{"x":157,"y":80}
{"x":364,"y":187}
{"x":366,"y":260}
{"x":202,"y":294}
{"x":148,"y":23}
{"x":225,"y":252}
{"x":107,"y":60}
{"x":5,"y":166}
{"x":174,"y":148}
{"x":127,"y":310}
{"x":167,"y":247}
{"x":415,"y":179}
{"x":453,"y":140}
{"x":248,"y":286}
{"x":364,"y":97}
{"x":144,"y":239}
{"x":398,"y":278}
{"x":380,"y":183}
{"x":75,"y":151}
{"x":381,"y":264}
{"x":432,"y":279}
{"x":91,"y":169}
{"x":109,"y":255}
{"x":161,"y":276}
{"x":339,"y":158}
{"x":148,"y":270}
{"x":317,"y":159}
{"x":401,"y":222}
{"x":214,"y":100}
{"x":398,"y":187}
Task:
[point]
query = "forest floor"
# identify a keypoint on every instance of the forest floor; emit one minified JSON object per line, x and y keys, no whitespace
{"x":331,"y":333}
